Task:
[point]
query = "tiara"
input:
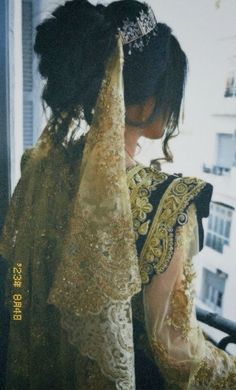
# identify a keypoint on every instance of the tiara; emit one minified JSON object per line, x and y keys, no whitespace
{"x":137,"y":34}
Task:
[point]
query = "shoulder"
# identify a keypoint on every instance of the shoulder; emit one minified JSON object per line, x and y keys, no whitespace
{"x":177,"y":184}
{"x":184,"y":190}
{"x":166,"y":201}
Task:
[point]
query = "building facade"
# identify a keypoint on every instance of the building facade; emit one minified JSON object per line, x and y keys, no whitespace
{"x":216,"y":264}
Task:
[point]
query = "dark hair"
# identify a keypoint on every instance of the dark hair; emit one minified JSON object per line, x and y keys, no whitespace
{"x":73,"y":46}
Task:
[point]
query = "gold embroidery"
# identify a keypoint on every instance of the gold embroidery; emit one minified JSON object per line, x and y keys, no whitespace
{"x":98,"y":272}
{"x":95,"y":205}
{"x":202,"y":365}
{"x":176,"y":373}
{"x":159,"y":245}
{"x":180,"y":308}
{"x":217,"y":370}
{"x":141,"y":183}
{"x":182,"y":298}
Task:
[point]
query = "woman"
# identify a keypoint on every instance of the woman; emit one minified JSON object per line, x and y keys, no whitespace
{"x":100,"y":282}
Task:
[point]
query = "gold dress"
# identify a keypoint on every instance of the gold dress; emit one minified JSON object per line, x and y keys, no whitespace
{"x":170,"y":349}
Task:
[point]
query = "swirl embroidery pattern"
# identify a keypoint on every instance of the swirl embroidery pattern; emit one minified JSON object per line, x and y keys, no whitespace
{"x":159,"y":245}
{"x":141,"y":185}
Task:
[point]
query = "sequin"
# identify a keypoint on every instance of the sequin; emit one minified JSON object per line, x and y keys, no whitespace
{"x":159,"y":245}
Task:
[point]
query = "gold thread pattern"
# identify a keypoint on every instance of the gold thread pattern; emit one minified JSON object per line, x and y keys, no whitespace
{"x":95,"y":281}
{"x":159,"y":245}
{"x":176,"y":373}
{"x":186,"y":359}
{"x":217,"y":370}
{"x":182,"y":297}
{"x":141,"y":184}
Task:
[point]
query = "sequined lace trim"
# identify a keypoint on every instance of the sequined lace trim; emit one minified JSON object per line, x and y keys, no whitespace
{"x":142,"y":181}
{"x":159,"y":245}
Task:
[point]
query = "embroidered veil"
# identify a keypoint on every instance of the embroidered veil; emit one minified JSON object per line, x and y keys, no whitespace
{"x":98,"y":273}
{"x":98,"y":269}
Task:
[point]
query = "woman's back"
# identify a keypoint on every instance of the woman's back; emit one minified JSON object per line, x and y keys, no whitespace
{"x":167,"y":210}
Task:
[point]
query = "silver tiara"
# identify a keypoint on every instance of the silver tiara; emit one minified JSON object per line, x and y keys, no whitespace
{"x":137,"y":34}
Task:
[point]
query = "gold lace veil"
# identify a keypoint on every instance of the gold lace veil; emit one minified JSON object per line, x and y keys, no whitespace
{"x":98,"y":271}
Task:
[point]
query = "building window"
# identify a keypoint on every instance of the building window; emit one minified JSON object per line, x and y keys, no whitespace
{"x":219,"y":226}
{"x":225,"y":155}
{"x":230,"y":88}
{"x":213,"y":287}
{"x":226,"y":150}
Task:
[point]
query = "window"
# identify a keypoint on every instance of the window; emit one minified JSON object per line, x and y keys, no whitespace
{"x":213,"y":287}
{"x":27,"y":35}
{"x":225,"y":155}
{"x":219,"y":225}
{"x":230,"y":88}
{"x":226,"y":150}
{"x":5,"y":170}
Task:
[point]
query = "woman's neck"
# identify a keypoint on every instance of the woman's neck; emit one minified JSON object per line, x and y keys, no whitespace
{"x":131,"y":139}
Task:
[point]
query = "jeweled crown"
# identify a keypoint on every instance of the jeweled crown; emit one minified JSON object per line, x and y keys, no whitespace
{"x":137,"y":34}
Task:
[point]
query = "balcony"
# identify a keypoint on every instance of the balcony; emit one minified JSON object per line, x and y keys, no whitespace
{"x":218,"y":322}
{"x":216,"y":170}
{"x":230,"y":91}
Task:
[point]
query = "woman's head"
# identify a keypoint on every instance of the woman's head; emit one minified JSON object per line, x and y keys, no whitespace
{"x":74,"y":44}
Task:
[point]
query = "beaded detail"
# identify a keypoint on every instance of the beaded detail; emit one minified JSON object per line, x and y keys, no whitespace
{"x":159,"y":246}
{"x":142,"y":183}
